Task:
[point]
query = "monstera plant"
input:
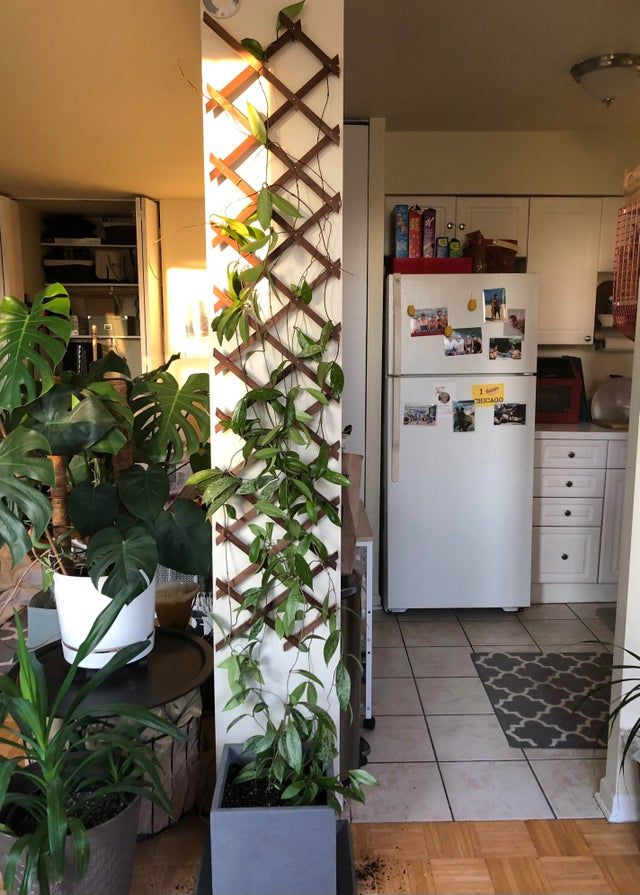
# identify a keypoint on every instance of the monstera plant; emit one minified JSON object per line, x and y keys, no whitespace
{"x":85,"y":464}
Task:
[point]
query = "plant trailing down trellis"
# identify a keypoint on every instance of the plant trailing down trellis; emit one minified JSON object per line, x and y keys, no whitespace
{"x":276,"y":502}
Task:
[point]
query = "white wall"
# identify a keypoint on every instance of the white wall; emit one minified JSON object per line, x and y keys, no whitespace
{"x":528,"y":163}
{"x":184,"y":283}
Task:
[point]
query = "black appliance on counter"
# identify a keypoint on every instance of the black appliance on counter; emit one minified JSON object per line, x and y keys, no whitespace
{"x":560,"y":392}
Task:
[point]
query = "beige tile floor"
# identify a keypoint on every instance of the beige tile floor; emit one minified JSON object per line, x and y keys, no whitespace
{"x":438,"y":750}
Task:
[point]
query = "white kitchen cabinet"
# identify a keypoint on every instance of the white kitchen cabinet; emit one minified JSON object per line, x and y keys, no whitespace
{"x":564,"y":241}
{"x":611,"y":526}
{"x":505,"y":217}
{"x":608,"y":224}
{"x":579,"y":478}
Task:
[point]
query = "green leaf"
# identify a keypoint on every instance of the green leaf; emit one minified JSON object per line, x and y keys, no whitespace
{"x":129,"y":562}
{"x":183,"y":536}
{"x":144,"y":491}
{"x":270,"y":509}
{"x":284,"y":205}
{"x":256,"y":124}
{"x":254,"y":47}
{"x":363,"y":777}
{"x":264,"y":209}
{"x":92,"y":507}
{"x":303,"y":292}
{"x":24,"y":467}
{"x":336,"y":379}
{"x":70,"y":426}
{"x":336,"y":478}
{"x":291,"y":12}
{"x":343,"y":685}
{"x":303,"y":570}
{"x":293,"y":747}
{"x":170,"y":420}
{"x":32,"y":343}
{"x":110,"y":363}
{"x":330,"y":646}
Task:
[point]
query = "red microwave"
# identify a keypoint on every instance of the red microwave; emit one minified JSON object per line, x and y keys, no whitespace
{"x":560,"y":395}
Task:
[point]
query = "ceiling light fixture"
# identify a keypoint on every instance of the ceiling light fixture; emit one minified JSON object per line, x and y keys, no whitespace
{"x":607,"y":77}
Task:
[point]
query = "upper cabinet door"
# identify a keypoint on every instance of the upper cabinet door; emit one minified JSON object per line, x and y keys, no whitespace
{"x":610,"y":207}
{"x":150,"y":284}
{"x":496,"y":218}
{"x":445,"y":207}
{"x":564,"y":238}
{"x":11,"y":274}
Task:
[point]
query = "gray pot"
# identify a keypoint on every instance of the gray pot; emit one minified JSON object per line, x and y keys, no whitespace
{"x":110,"y":869}
{"x":270,"y":851}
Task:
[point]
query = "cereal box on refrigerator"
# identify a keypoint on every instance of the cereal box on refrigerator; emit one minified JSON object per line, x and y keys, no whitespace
{"x":429,"y":233}
{"x":415,"y":232}
{"x":401,"y":231}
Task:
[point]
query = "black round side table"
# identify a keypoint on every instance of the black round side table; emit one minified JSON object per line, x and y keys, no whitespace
{"x":178,"y":663}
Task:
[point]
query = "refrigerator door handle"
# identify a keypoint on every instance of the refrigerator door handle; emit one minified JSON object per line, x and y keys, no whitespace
{"x":396,"y":368}
{"x":395,"y":429}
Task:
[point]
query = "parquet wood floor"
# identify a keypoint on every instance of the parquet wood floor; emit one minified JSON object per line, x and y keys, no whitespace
{"x":552,"y":857}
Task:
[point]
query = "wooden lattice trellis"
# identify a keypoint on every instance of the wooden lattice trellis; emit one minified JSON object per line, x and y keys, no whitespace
{"x":295,"y":170}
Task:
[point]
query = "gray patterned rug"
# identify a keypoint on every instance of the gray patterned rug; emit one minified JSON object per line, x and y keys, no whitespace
{"x":539,"y":698}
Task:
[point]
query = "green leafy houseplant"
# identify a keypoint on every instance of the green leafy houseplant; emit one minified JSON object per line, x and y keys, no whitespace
{"x":74,"y":768}
{"x":85,"y":460}
{"x":282,"y":470}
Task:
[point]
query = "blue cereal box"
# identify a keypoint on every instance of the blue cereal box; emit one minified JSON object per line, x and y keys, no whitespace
{"x":401,"y":231}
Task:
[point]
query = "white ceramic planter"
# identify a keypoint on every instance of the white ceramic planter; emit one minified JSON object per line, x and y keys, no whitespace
{"x":79,"y":603}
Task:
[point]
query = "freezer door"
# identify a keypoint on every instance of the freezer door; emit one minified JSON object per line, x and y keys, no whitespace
{"x":458,"y":504}
{"x":419,"y":305}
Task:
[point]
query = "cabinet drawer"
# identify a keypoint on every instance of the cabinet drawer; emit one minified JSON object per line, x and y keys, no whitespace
{"x":565,"y":555}
{"x":567,"y":513}
{"x":617,"y":455}
{"x":568,"y":483}
{"x":552,"y":454}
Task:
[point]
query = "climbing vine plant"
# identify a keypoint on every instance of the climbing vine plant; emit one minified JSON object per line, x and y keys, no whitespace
{"x":281,"y":343}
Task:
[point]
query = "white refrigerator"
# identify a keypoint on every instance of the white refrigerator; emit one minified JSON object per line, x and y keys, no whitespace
{"x":460,"y":394}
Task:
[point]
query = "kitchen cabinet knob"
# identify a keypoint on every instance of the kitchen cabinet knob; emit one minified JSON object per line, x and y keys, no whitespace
{"x":587,"y":338}
{"x":565,"y":556}
{"x":462,"y":226}
{"x":571,"y":454}
{"x":567,"y":512}
{"x":450,"y":225}
{"x":569,"y":484}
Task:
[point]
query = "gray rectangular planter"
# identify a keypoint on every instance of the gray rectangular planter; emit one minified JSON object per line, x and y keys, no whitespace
{"x":270,"y":851}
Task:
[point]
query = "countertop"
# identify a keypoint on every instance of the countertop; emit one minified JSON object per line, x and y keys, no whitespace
{"x":582,"y":430}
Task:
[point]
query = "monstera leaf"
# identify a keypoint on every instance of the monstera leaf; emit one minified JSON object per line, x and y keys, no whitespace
{"x":170,"y":420}
{"x":70,"y":426}
{"x":32,"y":343}
{"x":144,"y":492}
{"x":92,"y":507}
{"x":128,"y":561}
{"x":22,"y":504}
{"x":183,"y":536}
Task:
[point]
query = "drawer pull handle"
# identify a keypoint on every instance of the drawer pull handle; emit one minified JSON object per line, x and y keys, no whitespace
{"x":571,"y":454}
{"x":569,"y":484}
{"x":567,"y":512}
{"x":565,"y":556}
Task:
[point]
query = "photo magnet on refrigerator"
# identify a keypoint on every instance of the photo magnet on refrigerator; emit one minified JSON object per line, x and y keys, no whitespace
{"x":515,"y":323}
{"x":495,"y":304}
{"x":445,"y":395}
{"x":429,"y":321}
{"x":510,"y":415}
{"x":463,"y":340}
{"x":419,"y":414}
{"x":464,"y":416}
{"x":505,"y":349}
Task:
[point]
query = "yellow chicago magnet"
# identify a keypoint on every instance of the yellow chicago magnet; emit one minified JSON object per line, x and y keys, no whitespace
{"x":448,"y":331}
{"x":411,"y":310}
{"x":472,"y":304}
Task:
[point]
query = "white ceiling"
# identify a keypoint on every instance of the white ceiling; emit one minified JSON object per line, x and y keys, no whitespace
{"x":484,"y":64}
{"x":93,"y":103}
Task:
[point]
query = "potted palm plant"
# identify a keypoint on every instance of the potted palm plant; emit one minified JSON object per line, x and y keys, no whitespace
{"x":84,"y":475}
{"x":70,"y":790}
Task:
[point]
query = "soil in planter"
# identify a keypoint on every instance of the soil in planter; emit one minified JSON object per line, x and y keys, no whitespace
{"x":254,"y":793}
{"x":92,"y":812}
